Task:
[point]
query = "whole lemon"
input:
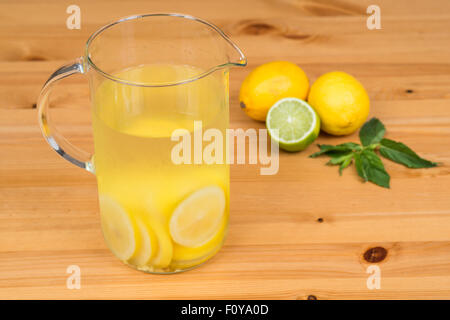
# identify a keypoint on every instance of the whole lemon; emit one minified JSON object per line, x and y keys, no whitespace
{"x":269,"y":83}
{"x":341,"y":102}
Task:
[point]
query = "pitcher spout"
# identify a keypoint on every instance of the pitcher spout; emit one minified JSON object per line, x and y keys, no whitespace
{"x":235,"y":56}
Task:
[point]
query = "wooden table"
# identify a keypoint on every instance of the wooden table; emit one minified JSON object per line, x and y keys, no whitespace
{"x":300,"y":233}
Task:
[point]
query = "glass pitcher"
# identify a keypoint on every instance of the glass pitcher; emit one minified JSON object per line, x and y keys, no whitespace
{"x":157,"y":81}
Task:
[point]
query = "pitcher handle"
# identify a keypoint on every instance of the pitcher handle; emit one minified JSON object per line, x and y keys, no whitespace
{"x":63,"y":147}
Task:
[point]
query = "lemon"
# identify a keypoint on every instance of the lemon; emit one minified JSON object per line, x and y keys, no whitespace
{"x":183,"y":255}
{"x":118,"y":228}
{"x":341,"y":102}
{"x":184,"y":264}
{"x":147,"y":245}
{"x":293,"y":124}
{"x":269,"y":83}
{"x":165,"y":247}
{"x":196,"y":220}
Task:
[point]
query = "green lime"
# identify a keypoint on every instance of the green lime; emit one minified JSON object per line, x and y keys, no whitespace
{"x":292,"y":123}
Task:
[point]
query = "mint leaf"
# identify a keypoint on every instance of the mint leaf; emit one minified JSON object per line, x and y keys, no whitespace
{"x":351,"y":145}
{"x":400,"y":153}
{"x":340,"y":157}
{"x":359,"y":167}
{"x":325,"y":148}
{"x":329,"y":149}
{"x":367,"y":163}
{"x":346,"y":163}
{"x":372,"y":132}
{"x":370,"y":168}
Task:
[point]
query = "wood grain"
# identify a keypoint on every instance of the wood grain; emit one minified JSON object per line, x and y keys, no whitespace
{"x":301,"y":232}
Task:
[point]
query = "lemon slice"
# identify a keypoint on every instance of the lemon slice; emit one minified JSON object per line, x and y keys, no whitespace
{"x":118,"y":228}
{"x":165,"y":248}
{"x":187,"y":264}
{"x":146,"y":245}
{"x":197,"y":218}
{"x":182,"y":254}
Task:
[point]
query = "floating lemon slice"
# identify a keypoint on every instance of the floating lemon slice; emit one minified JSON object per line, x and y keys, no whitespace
{"x":146,"y":245}
{"x":183,"y":264}
{"x":182,"y":254}
{"x":197,"y":218}
{"x":118,"y":228}
{"x":165,"y":248}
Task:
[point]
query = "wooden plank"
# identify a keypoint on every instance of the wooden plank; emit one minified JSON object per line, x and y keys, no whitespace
{"x":303,"y":231}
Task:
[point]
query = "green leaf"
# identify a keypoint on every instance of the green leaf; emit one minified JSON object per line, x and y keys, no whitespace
{"x":325,"y":148}
{"x":359,"y":167}
{"x":372,"y":132}
{"x":329,"y":149}
{"x":370,"y":168}
{"x":342,"y":158}
{"x":400,"y":153}
{"x":351,"y":145}
{"x":338,"y":158}
{"x":346,"y":163}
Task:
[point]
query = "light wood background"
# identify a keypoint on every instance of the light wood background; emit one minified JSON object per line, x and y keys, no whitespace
{"x":276,"y":247}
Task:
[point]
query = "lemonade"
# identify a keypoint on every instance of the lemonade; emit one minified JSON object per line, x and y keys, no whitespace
{"x":158,"y":216}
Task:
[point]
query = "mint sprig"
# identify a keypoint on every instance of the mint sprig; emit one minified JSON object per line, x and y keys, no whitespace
{"x":372,"y":132}
{"x":368,"y":164}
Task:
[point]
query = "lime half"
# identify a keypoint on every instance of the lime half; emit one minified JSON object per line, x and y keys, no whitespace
{"x":293,"y":124}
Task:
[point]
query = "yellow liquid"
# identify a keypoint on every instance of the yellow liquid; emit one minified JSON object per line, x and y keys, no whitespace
{"x":132,"y":130}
